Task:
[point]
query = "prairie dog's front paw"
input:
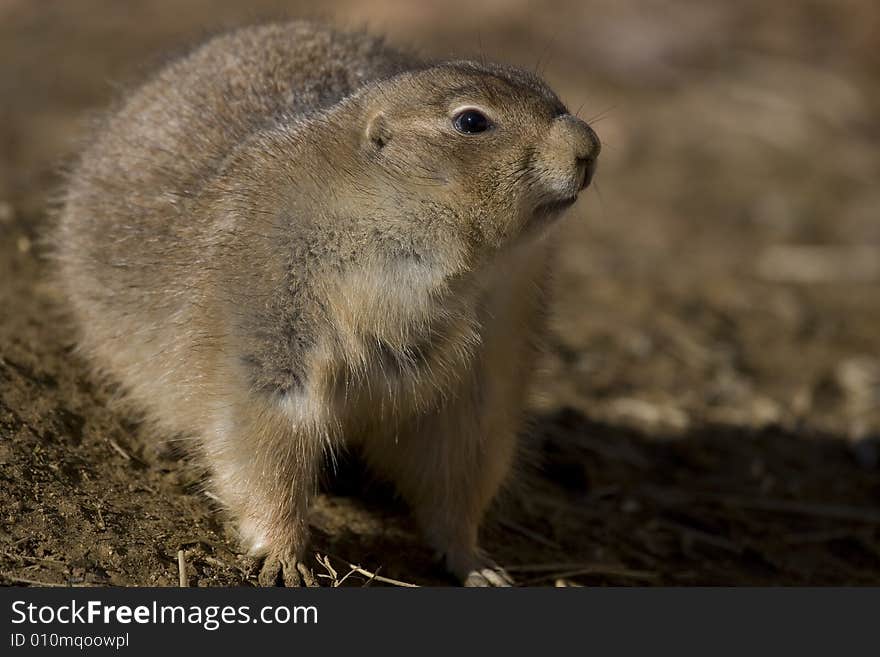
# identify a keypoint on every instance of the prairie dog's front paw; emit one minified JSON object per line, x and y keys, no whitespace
{"x":280,"y":567}
{"x":285,"y":571}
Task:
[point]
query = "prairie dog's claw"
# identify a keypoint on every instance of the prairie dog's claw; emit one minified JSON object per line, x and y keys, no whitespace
{"x":488,"y":576}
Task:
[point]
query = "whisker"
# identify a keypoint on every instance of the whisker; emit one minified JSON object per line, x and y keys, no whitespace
{"x":601,"y":115}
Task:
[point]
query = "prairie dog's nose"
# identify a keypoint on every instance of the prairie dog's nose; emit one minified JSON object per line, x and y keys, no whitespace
{"x":578,"y":139}
{"x":584,"y":141}
{"x":566,"y":157}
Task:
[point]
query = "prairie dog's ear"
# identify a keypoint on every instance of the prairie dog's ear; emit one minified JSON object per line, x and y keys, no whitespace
{"x":378,"y":131}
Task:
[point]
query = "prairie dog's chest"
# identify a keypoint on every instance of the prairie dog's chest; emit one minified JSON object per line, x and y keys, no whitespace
{"x":401,"y":342}
{"x":405,"y":341}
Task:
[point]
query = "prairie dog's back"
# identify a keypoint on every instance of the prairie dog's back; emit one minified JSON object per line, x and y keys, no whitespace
{"x":168,"y":139}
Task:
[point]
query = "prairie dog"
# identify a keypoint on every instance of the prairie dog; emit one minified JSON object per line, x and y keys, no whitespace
{"x":295,"y":239}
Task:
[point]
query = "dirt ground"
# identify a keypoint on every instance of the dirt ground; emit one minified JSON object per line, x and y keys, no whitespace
{"x":708,"y":411}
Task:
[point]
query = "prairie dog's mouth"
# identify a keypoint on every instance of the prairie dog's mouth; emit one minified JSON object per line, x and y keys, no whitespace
{"x":586,"y":170}
{"x":547,"y":213}
{"x":557,"y":206}
{"x":589,"y":172}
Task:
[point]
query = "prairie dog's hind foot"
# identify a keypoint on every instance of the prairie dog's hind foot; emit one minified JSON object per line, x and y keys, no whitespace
{"x":474,"y":569}
{"x":488,"y":576}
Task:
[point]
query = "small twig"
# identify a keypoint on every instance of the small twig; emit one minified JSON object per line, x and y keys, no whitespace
{"x":325,"y":562}
{"x":36,"y":582}
{"x":33,"y":582}
{"x":592,"y":570}
{"x":47,"y":562}
{"x":333,"y":575}
{"x":374,"y":577}
{"x":549,"y":567}
{"x":181,"y":569}
{"x":346,"y":576}
{"x":101,"y":523}
{"x":564,"y":570}
{"x":118,"y":449}
{"x":628,"y":574}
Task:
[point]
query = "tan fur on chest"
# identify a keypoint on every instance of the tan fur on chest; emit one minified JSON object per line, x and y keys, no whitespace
{"x":402,"y":340}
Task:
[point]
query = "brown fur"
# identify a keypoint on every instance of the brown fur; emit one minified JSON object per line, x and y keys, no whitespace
{"x":280,"y":244}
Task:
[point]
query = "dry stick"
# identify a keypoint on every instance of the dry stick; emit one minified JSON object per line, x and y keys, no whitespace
{"x":369,"y":581}
{"x":378,"y":578}
{"x":550,"y":567}
{"x":181,"y":569}
{"x":36,"y":582}
{"x":325,"y":563}
{"x":118,"y":449}
{"x":101,"y":523}
{"x":23,"y":557}
{"x":373,"y":576}
{"x":629,"y":574}
{"x":573,"y":568}
{"x":346,"y":576}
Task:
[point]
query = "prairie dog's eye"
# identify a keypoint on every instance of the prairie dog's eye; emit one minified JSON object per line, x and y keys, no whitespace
{"x":471,"y":122}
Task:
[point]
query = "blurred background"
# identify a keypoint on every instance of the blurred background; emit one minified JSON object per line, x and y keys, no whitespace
{"x":708,"y":410}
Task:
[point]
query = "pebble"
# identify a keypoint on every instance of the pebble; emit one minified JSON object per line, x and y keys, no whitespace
{"x":7,"y":212}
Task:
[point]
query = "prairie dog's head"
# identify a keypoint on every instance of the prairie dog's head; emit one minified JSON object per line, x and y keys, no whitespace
{"x":474,"y":155}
